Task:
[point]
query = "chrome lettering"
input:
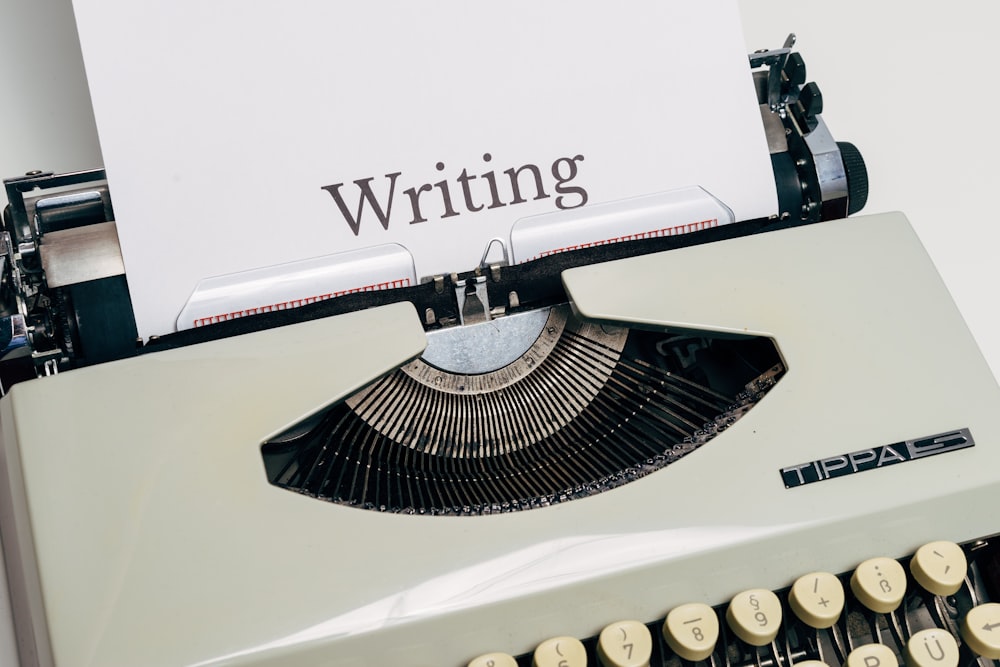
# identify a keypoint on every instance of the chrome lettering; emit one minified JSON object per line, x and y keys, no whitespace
{"x":876,"y":457}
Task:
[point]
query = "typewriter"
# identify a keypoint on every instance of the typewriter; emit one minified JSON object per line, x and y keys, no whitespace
{"x":764,"y":443}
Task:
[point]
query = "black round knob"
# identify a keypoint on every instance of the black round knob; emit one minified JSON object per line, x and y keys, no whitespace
{"x":857,"y":177}
{"x":811,"y":100}
{"x":795,"y":69}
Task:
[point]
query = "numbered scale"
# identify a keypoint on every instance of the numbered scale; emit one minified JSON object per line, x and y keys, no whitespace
{"x":931,"y":610}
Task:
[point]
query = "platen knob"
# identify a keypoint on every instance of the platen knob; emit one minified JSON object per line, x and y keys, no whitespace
{"x":857,"y":177}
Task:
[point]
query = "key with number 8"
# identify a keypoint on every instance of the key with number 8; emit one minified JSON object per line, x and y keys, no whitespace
{"x":494,"y":660}
{"x":692,"y":631}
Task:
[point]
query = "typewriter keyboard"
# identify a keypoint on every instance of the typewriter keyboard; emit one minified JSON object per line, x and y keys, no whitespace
{"x":930,"y":610}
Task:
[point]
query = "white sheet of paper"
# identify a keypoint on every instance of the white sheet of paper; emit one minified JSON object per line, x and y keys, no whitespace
{"x":228,"y":127}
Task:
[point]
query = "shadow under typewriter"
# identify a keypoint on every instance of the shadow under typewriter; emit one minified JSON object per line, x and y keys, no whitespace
{"x":523,"y":412}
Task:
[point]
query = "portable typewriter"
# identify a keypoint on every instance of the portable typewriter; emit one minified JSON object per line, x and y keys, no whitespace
{"x":485,"y":468}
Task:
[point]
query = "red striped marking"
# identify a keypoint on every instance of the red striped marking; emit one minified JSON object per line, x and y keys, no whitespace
{"x":295,"y":303}
{"x":656,"y":233}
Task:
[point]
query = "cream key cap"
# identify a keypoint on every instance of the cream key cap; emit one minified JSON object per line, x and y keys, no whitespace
{"x":560,"y":652}
{"x":625,"y":644}
{"x":691,"y":631}
{"x":755,"y":616}
{"x":939,"y":567}
{"x":981,"y":630}
{"x":872,"y":655}
{"x":879,"y":584}
{"x":494,"y":660}
{"x":817,"y":599}
{"x":932,"y":648}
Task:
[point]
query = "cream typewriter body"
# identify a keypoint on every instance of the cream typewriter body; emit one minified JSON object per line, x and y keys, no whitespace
{"x":663,"y":422}
{"x":181,"y":552}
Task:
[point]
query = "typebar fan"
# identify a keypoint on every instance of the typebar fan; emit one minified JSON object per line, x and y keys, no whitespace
{"x":523,"y":412}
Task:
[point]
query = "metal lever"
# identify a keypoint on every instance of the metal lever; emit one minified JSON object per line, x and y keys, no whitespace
{"x":775,"y":60}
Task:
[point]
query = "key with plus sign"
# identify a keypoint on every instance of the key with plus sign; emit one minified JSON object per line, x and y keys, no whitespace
{"x":817,"y":599}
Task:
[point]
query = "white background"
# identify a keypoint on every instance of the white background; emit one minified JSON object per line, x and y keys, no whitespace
{"x":913,"y":85}
{"x":46,"y":121}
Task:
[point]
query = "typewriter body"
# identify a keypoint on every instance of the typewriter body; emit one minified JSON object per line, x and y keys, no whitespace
{"x":371,"y":480}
